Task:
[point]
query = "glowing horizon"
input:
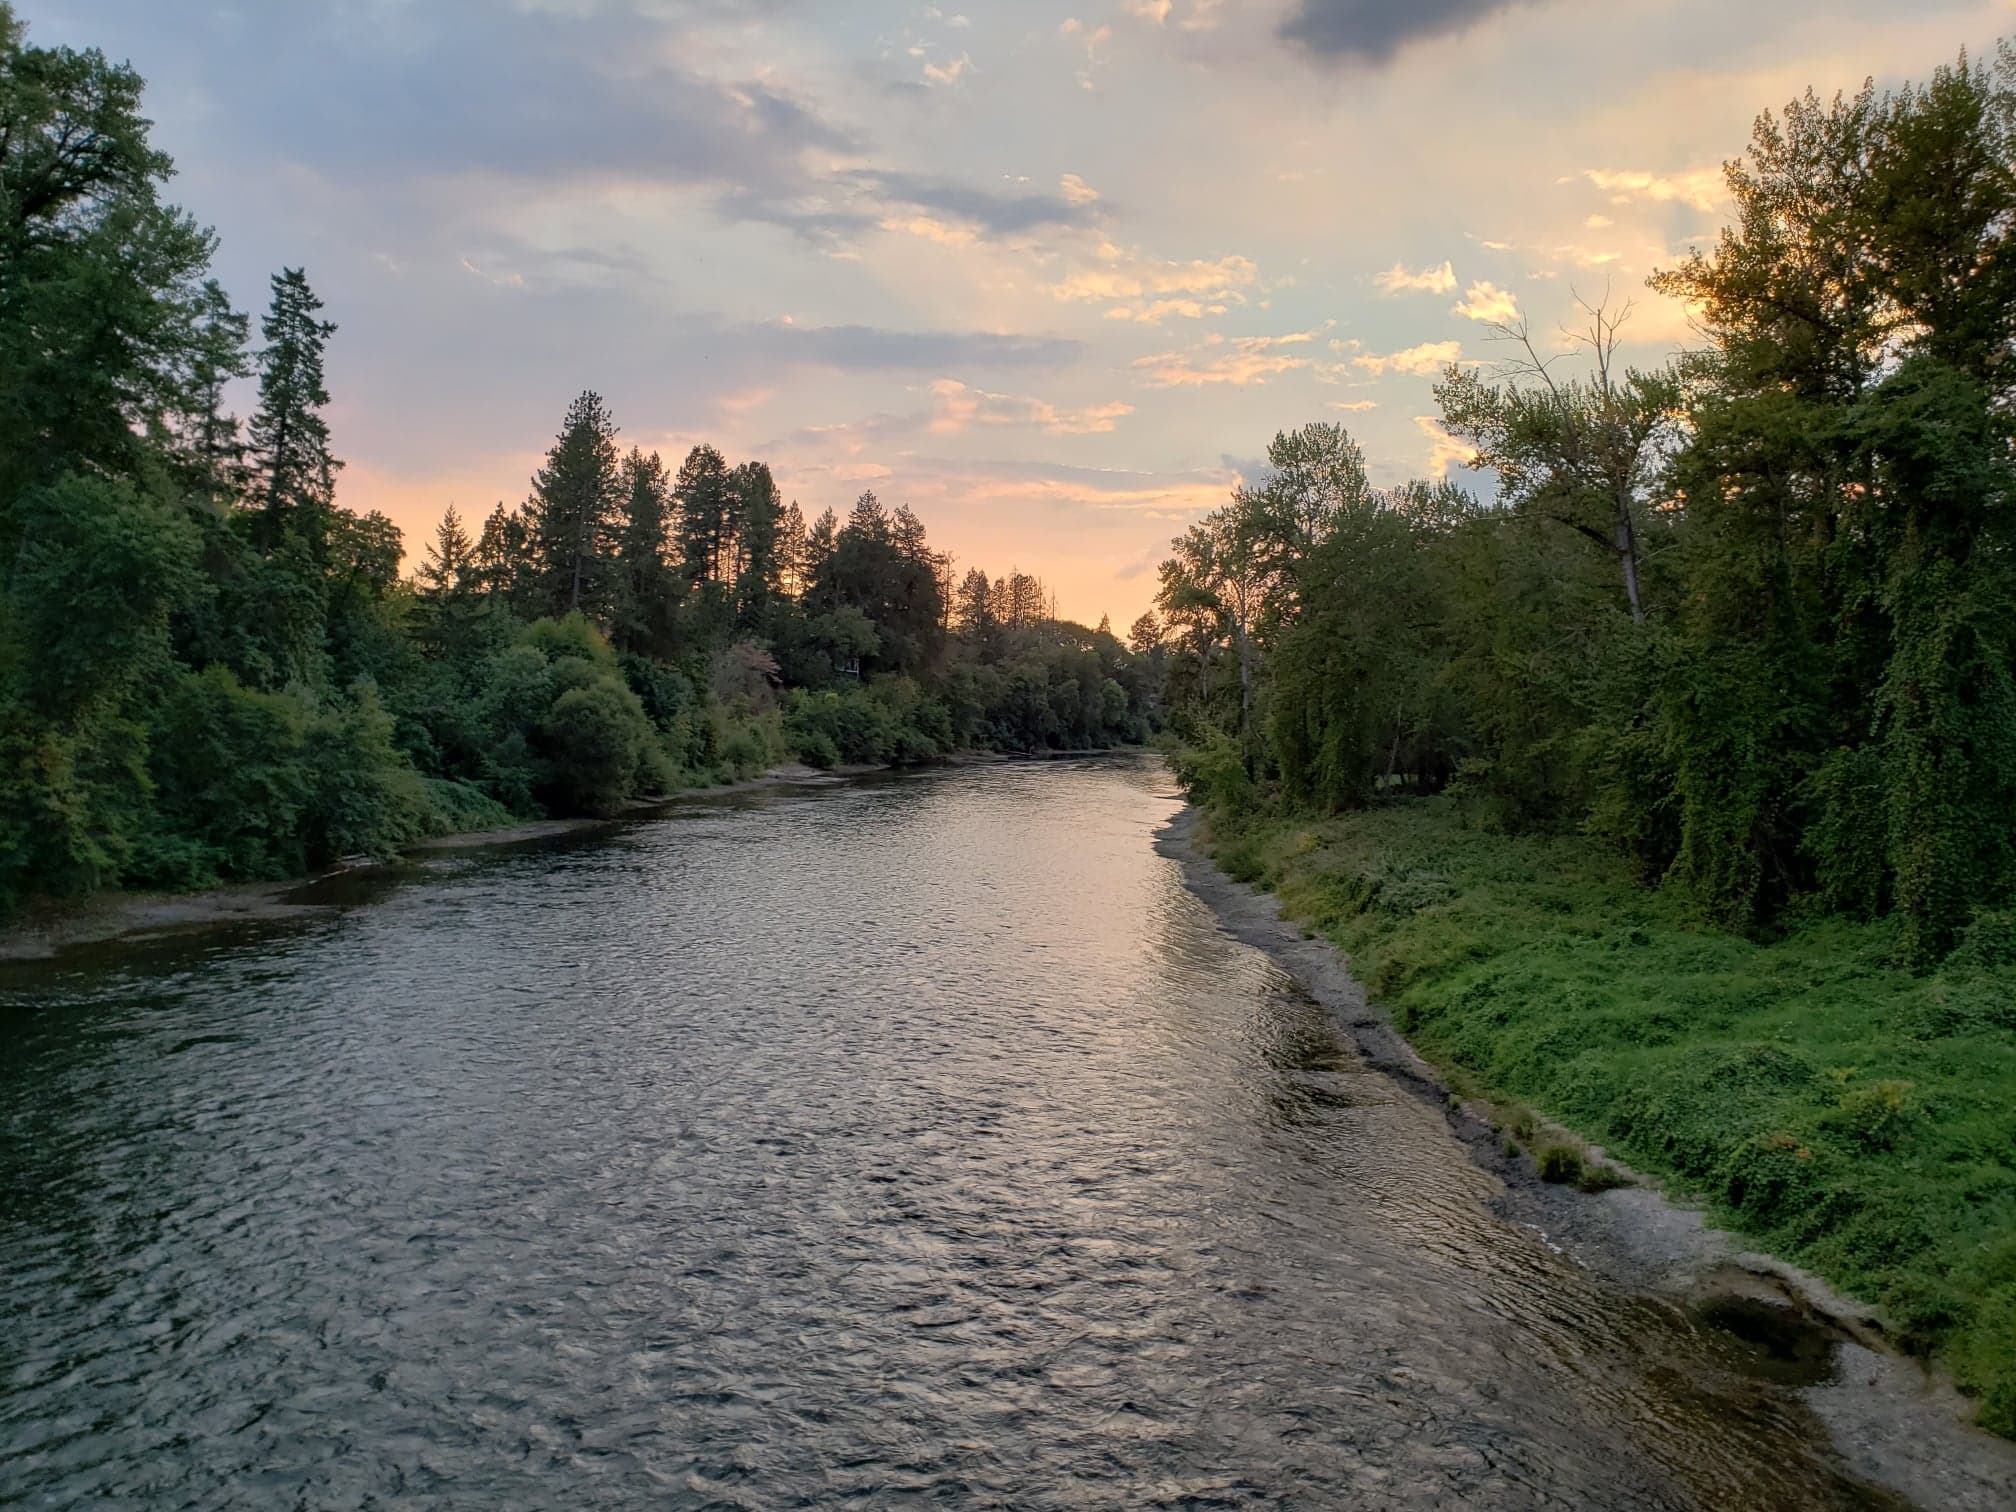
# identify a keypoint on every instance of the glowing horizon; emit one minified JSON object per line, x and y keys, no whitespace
{"x":1053,"y":275}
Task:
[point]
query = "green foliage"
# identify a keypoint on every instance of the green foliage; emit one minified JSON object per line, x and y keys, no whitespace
{"x":1751,"y":620}
{"x":594,"y":737}
{"x":97,"y":543}
{"x":859,"y":725}
{"x":1214,"y":774}
{"x":230,"y":784}
{"x":363,"y":798}
{"x":211,"y":671}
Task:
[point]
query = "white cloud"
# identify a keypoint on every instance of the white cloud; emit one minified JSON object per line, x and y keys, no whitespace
{"x":1701,"y":188}
{"x":1487,"y":302}
{"x":1076,"y":191}
{"x":1420,"y":361}
{"x":1354,"y":406}
{"x":1398,"y":280}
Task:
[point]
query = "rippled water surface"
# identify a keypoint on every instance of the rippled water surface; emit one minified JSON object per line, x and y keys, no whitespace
{"x":916,"y":1140}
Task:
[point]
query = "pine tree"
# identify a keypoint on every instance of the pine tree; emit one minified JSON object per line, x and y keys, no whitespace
{"x":973,"y":611}
{"x":574,"y":500}
{"x":498,"y":562}
{"x":1145,"y":635}
{"x":705,"y":513}
{"x":791,"y":551}
{"x":820,"y":593}
{"x":295,"y":472}
{"x":207,"y":444}
{"x":646,"y":583}
{"x":758,"y":511}
{"x":448,"y":566}
{"x":868,"y":519}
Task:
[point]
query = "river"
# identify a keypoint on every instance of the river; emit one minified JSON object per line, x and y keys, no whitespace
{"x":902,"y":1141}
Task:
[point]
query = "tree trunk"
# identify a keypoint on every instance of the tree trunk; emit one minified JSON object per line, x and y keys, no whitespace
{"x":1627,"y":554}
{"x":1240,"y":642}
{"x":580,"y":531}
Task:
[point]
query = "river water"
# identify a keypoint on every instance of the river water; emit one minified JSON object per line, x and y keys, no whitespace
{"x":914,"y":1140}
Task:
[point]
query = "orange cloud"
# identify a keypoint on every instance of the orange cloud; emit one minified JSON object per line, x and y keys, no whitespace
{"x":1444,"y":450}
{"x":959,"y":407}
{"x":1119,"y":274}
{"x":1076,"y":191}
{"x":1245,"y":360}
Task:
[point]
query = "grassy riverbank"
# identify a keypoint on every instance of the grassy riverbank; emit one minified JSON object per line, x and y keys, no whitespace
{"x":1831,"y":1107}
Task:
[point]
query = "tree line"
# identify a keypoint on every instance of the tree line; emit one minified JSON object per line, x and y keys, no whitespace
{"x":1747,"y":616}
{"x":211,"y":671}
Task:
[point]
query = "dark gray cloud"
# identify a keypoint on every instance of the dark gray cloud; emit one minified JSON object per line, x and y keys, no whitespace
{"x":857,"y":348}
{"x":990,"y":211}
{"x":1372,"y":31}
{"x":856,"y":199}
{"x":385,"y":95}
{"x":472,"y":87}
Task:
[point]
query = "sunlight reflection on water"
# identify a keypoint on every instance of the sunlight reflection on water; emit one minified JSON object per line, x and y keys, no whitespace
{"x":912,"y":1140}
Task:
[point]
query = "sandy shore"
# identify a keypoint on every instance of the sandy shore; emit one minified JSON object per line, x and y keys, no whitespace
{"x":1894,"y":1424}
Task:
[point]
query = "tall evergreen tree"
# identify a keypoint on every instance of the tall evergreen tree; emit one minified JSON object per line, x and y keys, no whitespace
{"x":647,"y":583}
{"x":448,"y":566}
{"x":706,"y":515}
{"x":295,"y":470}
{"x":791,"y":551}
{"x":758,"y":512}
{"x":820,"y":593}
{"x":575,"y":498}
{"x":497,"y":562}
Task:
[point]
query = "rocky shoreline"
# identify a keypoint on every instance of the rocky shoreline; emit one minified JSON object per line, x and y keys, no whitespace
{"x":1894,"y":1424}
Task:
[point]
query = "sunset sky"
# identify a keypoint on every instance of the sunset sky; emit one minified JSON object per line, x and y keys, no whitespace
{"x":1053,"y":274}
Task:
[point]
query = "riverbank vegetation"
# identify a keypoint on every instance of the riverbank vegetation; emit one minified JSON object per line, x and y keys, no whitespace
{"x":1673,"y":790}
{"x":210,"y":671}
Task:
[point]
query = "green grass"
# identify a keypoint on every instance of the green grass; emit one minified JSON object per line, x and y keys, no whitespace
{"x":1823,"y":1103}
